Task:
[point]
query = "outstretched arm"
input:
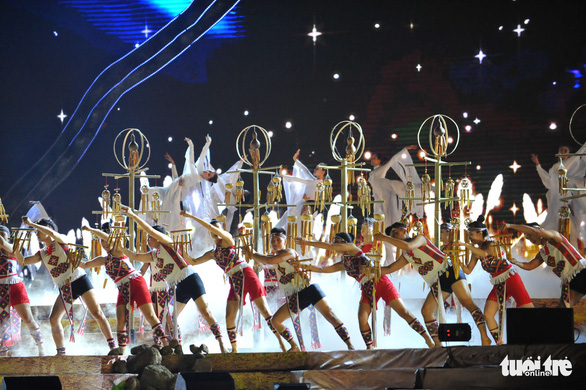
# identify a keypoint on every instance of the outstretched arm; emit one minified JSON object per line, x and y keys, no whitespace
{"x":327,"y":270}
{"x":395,"y":266}
{"x":544,"y":233}
{"x":96,"y":232}
{"x":280,"y":257}
{"x":5,"y":245}
{"x":337,"y":247}
{"x":157,"y":235}
{"x":142,"y":257}
{"x":95,"y":262}
{"x":209,"y":255}
{"x":529,"y":265}
{"x":417,"y":242}
{"x":227,"y":239}
{"x":202,"y":155}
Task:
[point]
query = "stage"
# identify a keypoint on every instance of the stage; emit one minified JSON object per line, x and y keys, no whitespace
{"x":469,"y":367}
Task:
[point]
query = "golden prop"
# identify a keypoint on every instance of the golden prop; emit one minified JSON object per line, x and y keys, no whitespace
{"x":425,"y":187}
{"x":278,"y":187}
{"x":409,"y":194}
{"x":117,"y":237}
{"x":364,"y":196}
{"x":222,"y":219}
{"x":134,"y":155}
{"x":503,"y":244}
{"x":244,"y":241}
{"x":334,"y":228}
{"x":562,"y":178}
{"x":465,"y":189}
{"x":306,"y":229}
{"x":266,"y":226}
{"x":116,"y":201}
{"x":182,"y":240}
{"x":328,"y":190}
{"x":292,"y":231}
{"x":106,"y":201}
{"x":271,"y":196}
{"x":441,"y":138}
{"x":96,"y":246}
{"x":350,"y":154}
{"x":75,"y":254}
{"x":239,"y":195}
{"x":228,"y":193}
{"x":352,"y":225}
{"x":319,"y":196}
{"x":449,"y":192}
{"x":20,"y":238}
{"x":254,"y":150}
{"x":3,"y":215}
{"x":144,"y":198}
{"x":564,"y":222}
{"x":156,"y":206}
{"x":378,"y":227}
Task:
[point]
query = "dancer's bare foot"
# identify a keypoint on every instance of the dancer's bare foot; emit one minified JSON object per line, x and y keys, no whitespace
{"x":437,"y":342}
{"x":485,"y":340}
{"x":370,"y":346}
{"x":429,"y":342}
{"x":350,"y":346}
{"x":234,"y":349}
{"x":222,"y":348}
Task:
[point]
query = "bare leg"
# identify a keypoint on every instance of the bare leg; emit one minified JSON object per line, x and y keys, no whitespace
{"x":57,"y":313}
{"x":89,"y":297}
{"x":428,"y":311}
{"x":324,"y":308}
{"x":277,"y":320}
{"x":263,"y":308}
{"x":490,"y":310}
{"x":25,"y":313}
{"x":231,"y":313}
{"x":121,"y":329}
{"x":363,"y":325}
{"x":398,"y":306}
{"x":202,"y":306}
{"x":575,"y":297}
{"x":462,"y":292}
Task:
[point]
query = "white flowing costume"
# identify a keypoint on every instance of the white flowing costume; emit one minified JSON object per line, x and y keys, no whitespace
{"x":389,"y":191}
{"x":576,"y":167}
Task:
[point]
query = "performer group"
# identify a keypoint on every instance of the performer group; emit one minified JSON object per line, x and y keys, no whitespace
{"x":202,"y":206}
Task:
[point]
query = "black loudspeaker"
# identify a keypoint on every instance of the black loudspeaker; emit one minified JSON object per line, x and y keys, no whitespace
{"x":454,"y":332}
{"x":215,"y":380}
{"x":292,"y":386}
{"x":540,"y":326}
{"x":31,"y":382}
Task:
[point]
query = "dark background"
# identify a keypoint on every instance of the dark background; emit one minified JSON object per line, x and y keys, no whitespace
{"x":272,"y":69}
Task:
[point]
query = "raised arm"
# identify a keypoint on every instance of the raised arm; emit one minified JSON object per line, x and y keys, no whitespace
{"x":157,"y":235}
{"x":94,"y":263}
{"x":543,"y":233}
{"x":417,"y":242}
{"x":56,"y":236}
{"x":339,"y":266}
{"x":5,"y":245}
{"x":202,"y":155}
{"x":96,"y":232}
{"x":227,"y":239}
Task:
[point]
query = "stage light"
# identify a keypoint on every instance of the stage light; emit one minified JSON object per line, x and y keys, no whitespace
{"x":419,"y":67}
{"x":62,"y":116}
{"x":288,"y":124}
{"x":211,"y":122}
{"x":553,"y":126}
{"x":526,"y":21}
{"x":515,"y":166}
{"x":478,"y":167}
{"x":464,"y":115}
{"x":454,"y":332}
{"x":170,"y":139}
{"x":519,"y":30}
{"x":480,"y":56}
{"x":314,"y":34}
{"x":219,"y":171}
{"x":270,"y":133}
{"x":367,"y":155}
{"x":468,"y":128}
{"x":476,"y":121}
{"x":146,"y":31}
{"x":394,"y":136}
{"x":55,"y":33}
{"x":554,"y":83}
{"x":351,"y":117}
{"x":377,"y":25}
{"x":450,"y":140}
{"x":246,"y":112}
{"x":501,"y":28}
{"x":136,"y":45}
{"x":284,"y":172}
{"x":336,"y":76}
{"x":170,"y":166}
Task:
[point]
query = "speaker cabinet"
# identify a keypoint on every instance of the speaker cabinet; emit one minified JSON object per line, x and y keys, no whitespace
{"x":31,"y":382}
{"x":540,"y":326}
{"x":215,"y":380}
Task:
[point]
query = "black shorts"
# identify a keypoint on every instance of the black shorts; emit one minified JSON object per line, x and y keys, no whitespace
{"x":579,"y":282}
{"x":449,"y":277}
{"x":310,"y":296}
{"x":80,"y":286}
{"x":190,"y":288}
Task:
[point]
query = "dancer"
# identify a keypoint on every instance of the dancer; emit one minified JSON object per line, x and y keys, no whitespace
{"x":13,"y":294}
{"x":243,"y":280}
{"x":506,"y":281}
{"x":131,"y":287}
{"x":298,"y":297}
{"x":354,"y":262}
{"x":450,"y":283}
{"x":575,"y":166}
{"x":425,"y":257}
{"x":563,"y":259}
{"x":169,"y":266}
{"x":72,"y":283}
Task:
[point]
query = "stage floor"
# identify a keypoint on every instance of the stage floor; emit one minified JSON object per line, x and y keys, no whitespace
{"x":469,"y":367}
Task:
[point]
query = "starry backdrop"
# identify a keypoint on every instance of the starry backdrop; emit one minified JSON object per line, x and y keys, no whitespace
{"x":510,"y":73}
